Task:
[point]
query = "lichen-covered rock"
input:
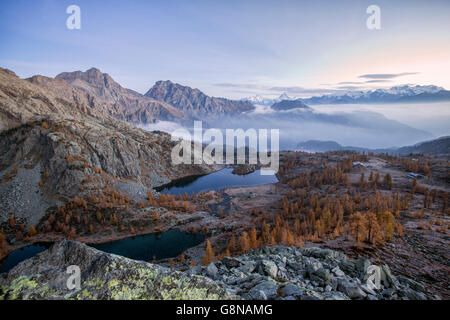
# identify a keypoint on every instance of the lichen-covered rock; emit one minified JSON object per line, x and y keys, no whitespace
{"x":103,"y":276}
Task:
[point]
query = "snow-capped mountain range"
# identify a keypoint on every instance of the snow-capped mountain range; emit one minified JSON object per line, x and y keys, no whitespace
{"x":260,"y":100}
{"x":405,"y":93}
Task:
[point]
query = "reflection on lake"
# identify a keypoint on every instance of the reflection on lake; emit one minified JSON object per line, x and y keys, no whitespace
{"x":216,"y":181}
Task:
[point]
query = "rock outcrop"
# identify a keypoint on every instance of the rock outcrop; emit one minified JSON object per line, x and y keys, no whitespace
{"x":267,"y":273}
{"x":103,"y":276}
{"x":308,"y":273}
{"x":194,"y":102}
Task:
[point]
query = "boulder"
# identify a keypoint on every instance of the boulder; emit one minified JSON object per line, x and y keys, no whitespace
{"x":290,"y":290}
{"x":212,"y":271}
{"x":338,"y":272}
{"x":322,"y":276}
{"x":411,"y":284}
{"x":267,"y":267}
{"x":103,"y":276}
{"x":388,"y":279}
{"x":352,"y":290}
{"x":230,"y":262}
{"x":263,"y":291}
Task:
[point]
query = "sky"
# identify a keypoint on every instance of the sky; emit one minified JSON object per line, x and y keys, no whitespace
{"x":233,"y":48}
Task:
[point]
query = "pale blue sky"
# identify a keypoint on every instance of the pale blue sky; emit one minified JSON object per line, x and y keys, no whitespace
{"x":232,"y":48}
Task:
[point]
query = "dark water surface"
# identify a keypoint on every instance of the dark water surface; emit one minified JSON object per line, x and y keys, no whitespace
{"x":153,"y":246}
{"x":147,"y":247}
{"x":19,"y":255}
{"x":216,"y":181}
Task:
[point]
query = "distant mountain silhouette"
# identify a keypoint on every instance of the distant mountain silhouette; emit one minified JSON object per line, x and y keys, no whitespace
{"x":437,"y":146}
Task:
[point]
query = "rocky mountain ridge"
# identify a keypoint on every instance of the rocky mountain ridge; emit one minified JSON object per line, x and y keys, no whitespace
{"x":194,"y":102}
{"x":27,"y":100}
{"x":123,"y":104}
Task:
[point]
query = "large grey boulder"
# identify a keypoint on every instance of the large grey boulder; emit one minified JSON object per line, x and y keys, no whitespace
{"x":212,"y":271}
{"x":263,"y":291}
{"x":352,"y":290}
{"x":291,"y":290}
{"x":103,"y":276}
{"x":269,"y":268}
{"x":388,"y":279}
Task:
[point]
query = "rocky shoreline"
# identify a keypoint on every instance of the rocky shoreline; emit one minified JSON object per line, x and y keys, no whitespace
{"x":285,"y":273}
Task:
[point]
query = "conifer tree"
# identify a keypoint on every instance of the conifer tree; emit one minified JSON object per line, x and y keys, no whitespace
{"x":371,"y":227}
{"x":265,"y":234}
{"x":209,"y":254}
{"x":232,"y":244}
{"x":357,"y":227}
{"x":387,"y":181}
{"x":362,"y":181}
{"x":32,"y":231}
{"x":253,"y":239}
{"x":244,"y":243}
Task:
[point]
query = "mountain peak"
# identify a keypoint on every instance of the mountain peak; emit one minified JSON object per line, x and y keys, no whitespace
{"x":122,"y":103}
{"x":194,"y":102}
{"x":93,"y":70}
{"x":289,"y":104}
{"x":92,"y":76}
{"x":164,"y":82}
{"x":284,"y":96}
{"x":264,"y":101}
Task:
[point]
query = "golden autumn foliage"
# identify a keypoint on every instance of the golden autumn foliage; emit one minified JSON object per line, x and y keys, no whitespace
{"x":32,"y":231}
{"x":209,"y":254}
{"x":244,"y":242}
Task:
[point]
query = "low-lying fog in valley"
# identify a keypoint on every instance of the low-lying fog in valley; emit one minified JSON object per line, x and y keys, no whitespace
{"x":431,"y":117}
{"x":358,"y":125}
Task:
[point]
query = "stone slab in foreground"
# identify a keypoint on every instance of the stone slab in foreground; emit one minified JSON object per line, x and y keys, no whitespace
{"x":103,"y":276}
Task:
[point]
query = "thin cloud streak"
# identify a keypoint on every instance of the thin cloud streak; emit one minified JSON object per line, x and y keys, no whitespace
{"x":386,"y":75}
